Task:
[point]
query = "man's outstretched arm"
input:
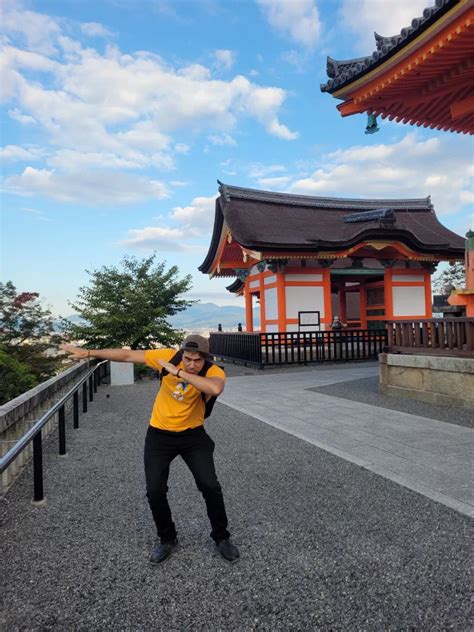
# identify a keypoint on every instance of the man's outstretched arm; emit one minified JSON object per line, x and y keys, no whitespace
{"x":116,"y":355}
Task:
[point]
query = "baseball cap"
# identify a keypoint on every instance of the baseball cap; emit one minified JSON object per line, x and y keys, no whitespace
{"x":196,"y":344}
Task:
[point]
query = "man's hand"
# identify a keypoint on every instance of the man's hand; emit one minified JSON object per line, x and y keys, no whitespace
{"x":76,"y":352}
{"x":171,"y":368}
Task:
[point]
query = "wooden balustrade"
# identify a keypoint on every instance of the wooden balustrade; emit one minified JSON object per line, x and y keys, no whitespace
{"x":433,"y":336}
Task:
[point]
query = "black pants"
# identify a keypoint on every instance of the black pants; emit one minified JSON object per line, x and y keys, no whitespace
{"x":196,"y":447}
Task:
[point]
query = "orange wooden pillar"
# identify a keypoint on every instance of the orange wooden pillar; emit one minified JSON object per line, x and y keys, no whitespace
{"x":388,"y":293}
{"x":327,"y":320}
{"x":248,"y":307}
{"x":363,"y":306}
{"x":263,"y":317}
{"x":428,"y":297}
{"x":281,"y":301}
{"x":342,"y":305}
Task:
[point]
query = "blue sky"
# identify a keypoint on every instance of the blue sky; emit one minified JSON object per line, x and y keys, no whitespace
{"x":118,"y":117}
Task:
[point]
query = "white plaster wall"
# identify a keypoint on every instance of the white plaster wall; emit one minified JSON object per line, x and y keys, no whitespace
{"x":271,"y":304}
{"x":303,"y":277}
{"x":254,"y":270}
{"x":254,"y":284}
{"x":270,"y":279}
{"x":409,"y":301}
{"x":270,"y":329}
{"x":292,"y":328}
{"x":304,"y":299}
{"x":408,"y":277}
{"x":256,"y":315}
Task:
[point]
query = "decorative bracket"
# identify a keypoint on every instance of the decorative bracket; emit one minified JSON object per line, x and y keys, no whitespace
{"x":242,"y":273}
{"x":429,"y":266}
{"x":324,"y":263}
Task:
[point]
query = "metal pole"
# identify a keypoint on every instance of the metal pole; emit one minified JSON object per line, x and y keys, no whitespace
{"x":91,"y":389}
{"x":75,"y":409}
{"x":62,"y":431}
{"x":84,"y":397}
{"x":38,"y":467}
{"x":96,"y":380}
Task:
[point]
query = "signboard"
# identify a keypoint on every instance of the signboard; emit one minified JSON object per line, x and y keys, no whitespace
{"x":309,"y":320}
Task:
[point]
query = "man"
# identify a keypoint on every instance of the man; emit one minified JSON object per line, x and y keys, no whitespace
{"x":177,"y":428}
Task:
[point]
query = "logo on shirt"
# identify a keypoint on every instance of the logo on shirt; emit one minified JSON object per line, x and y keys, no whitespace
{"x":178,"y":393}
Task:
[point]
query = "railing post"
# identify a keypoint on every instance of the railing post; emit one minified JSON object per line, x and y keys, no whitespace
{"x":75,"y":410}
{"x":38,"y":468}
{"x":91,"y":389}
{"x":62,"y":431}
{"x":84,"y":397}
{"x":95,"y":375}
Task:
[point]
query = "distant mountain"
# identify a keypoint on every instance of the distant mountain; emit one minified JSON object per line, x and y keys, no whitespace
{"x":208,"y":316}
{"x":201,"y":316}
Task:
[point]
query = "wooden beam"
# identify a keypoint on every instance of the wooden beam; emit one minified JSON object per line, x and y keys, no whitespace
{"x":462,"y":108}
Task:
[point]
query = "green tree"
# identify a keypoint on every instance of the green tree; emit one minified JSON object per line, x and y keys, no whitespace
{"x":453,"y":276}
{"x":129,"y":306}
{"x":27,"y":342}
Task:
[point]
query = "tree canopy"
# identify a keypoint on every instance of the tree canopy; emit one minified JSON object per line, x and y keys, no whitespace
{"x":129,"y":306}
{"x":27,"y":338}
{"x":452,"y":277}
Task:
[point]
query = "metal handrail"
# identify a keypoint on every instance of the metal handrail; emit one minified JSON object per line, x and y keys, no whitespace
{"x":34,"y":433}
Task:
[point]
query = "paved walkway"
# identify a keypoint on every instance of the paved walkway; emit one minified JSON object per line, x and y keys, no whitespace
{"x":428,"y":456}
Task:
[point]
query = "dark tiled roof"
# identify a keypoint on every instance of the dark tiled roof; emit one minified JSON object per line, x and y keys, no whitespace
{"x":347,"y":71}
{"x":267,"y":221}
{"x":235,"y":286}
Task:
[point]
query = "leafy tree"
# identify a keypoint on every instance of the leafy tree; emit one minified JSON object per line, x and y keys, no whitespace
{"x":26,"y":338}
{"x":452,"y":277}
{"x":128,"y":307}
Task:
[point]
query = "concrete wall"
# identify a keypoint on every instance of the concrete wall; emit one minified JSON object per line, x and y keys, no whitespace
{"x":433,"y":379}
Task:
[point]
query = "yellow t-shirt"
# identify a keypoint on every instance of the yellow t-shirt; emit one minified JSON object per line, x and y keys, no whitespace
{"x":178,"y":405}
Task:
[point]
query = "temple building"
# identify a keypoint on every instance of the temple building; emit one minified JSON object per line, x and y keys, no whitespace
{"x":301,"y":260}
{"x":424,"y":75}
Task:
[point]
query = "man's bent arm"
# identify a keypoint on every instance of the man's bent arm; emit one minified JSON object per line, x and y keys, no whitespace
{"x":207,"y":385}
{"x":116,"y":355}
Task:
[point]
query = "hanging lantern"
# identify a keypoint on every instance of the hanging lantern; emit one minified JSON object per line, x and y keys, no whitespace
{"x":372,"y":126}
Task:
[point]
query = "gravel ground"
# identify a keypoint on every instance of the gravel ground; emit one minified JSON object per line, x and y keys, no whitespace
{"x":325,"y":545}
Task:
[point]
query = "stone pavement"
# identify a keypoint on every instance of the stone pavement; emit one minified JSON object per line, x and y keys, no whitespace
{"x":426,"y":455}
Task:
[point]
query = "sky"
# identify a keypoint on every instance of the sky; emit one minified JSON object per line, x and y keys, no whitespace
{"x":119,"y":116}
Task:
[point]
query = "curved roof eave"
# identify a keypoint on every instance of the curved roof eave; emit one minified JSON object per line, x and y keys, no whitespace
{"x":216,"y":235}
{"x":353,"y":69}
{"x":391,"y":234}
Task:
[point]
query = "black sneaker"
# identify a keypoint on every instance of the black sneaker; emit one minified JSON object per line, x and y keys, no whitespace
{"x":162,"y":551}
{"x":228,"y":550}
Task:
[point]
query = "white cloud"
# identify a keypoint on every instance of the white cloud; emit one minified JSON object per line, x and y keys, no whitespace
{"x":117,"y":110}
{"x":259,"y":170}
{"x":298,"y":19}
{"x":15,"y":153}
{"x":24,"y":119}
{"x":224,"y":59}
{"x":276,"y":184}
{"x":36,"y":30}
{"x":194,"y":220}
{"x":222,"y":139}
{"x":94,"y":29}
{"x":198,"y":216}
{"x":409,"y":168}
{"x":38,"y":215}
{"x":154,"y":237}
{"x":182,"y":148}
{"x":363,"y":17}
{"x":88,"y":187}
